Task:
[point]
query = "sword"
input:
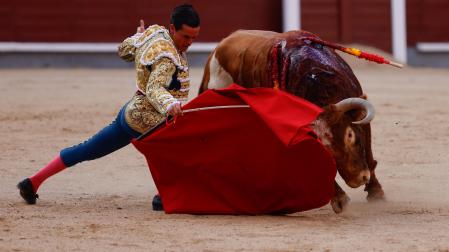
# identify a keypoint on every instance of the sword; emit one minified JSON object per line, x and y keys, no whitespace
{"x":169,"y":118}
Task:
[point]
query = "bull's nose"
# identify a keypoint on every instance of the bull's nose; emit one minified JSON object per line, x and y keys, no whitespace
{"x":365,"y":179}
{"x":360,"y":180}
{"x":364,"y":176}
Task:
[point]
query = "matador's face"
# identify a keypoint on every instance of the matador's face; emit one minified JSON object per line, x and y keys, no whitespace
{"x":184,"y":37}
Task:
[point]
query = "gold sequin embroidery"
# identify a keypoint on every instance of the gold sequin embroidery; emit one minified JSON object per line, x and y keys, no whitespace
{"x":126,"y":49}
{"x":156,"y":61}
{"x":141,"y":115}
{"x":159,"y":80}
{"x":149,"y":33}
{"x":160,"y":48}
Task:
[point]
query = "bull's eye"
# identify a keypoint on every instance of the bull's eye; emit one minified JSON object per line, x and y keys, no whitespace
{"x":349,"y":136}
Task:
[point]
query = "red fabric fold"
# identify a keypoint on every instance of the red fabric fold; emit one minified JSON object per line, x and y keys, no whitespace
{"x":259,"y":160}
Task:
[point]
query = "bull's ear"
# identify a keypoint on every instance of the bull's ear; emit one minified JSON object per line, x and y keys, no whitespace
{"x":364,"y":97}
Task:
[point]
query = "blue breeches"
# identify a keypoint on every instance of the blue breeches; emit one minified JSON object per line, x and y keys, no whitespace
{"x":116,"y":135}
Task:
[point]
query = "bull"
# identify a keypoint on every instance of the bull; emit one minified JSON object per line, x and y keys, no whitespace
{"x":291,"y":62}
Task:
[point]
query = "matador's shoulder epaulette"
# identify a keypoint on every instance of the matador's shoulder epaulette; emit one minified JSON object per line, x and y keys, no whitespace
{"x":151,"y":32}
{"x":159,"y":47}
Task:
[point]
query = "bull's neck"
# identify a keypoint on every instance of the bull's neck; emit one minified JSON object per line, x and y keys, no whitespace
{"x":323,"y":131}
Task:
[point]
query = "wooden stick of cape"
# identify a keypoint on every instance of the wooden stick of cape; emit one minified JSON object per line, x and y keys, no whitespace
{"x":169,"y":118}
{"x":356,"y":52}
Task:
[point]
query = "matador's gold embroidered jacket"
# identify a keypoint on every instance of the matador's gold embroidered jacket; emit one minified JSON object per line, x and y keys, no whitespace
{"x":162,"y":76}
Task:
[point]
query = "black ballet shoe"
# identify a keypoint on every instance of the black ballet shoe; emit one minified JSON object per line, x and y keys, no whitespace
{"x":27,"y":192}
{"x":157,"y":203}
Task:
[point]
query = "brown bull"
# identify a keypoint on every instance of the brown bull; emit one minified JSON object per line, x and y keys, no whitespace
{"x":299,"y":66}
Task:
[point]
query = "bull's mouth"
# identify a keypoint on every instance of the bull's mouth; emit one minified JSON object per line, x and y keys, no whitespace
{"x":361,"y":179}
{"x":355,"y":184}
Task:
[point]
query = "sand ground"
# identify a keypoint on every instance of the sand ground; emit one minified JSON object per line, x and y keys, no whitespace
{"x":105,"y":205}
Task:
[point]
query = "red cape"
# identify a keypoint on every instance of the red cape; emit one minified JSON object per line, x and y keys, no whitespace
{"x":259,"y":160}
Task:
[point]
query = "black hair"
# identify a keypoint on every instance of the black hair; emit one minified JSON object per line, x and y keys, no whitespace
{"x":184,"y":14}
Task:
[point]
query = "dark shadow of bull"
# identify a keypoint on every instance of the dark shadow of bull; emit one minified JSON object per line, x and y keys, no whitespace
{"x":291,"y":62}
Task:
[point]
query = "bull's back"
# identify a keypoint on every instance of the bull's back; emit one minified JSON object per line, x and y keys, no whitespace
{"x":244,"y":55}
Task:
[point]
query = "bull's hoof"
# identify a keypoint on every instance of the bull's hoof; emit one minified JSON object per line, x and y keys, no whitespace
{"x":375,"y":194}
{"x":340,"y":202}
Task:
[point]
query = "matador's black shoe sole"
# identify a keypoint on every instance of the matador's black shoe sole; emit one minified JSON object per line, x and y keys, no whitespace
{"x":27,"y":192}
{"x":157,"y":203}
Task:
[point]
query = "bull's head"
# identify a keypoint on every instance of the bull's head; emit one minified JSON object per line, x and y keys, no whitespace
{"x":341,"y":129}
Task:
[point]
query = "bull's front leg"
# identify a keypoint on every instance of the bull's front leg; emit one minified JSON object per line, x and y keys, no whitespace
{"x":373,"y":187}
{"x":340,"y":200}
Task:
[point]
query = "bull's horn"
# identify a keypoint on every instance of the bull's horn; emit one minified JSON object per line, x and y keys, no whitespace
{"x":357,"y":103}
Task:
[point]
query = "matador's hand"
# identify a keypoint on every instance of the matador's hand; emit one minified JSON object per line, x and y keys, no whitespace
{"x":141,"y":28}
{"x":175,"y":110}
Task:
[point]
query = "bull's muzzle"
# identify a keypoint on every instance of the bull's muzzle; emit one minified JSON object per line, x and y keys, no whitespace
{"x":360,"y":180}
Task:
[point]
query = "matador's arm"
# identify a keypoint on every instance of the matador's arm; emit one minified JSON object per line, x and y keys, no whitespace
{"x":160,"y":78}
{"x":127,"y":49}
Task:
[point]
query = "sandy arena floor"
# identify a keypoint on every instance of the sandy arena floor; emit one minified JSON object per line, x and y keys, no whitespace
{"x":105,"y":205}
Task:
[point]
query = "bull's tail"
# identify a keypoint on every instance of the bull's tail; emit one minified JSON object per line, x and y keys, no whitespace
{"x":206,"y":75}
